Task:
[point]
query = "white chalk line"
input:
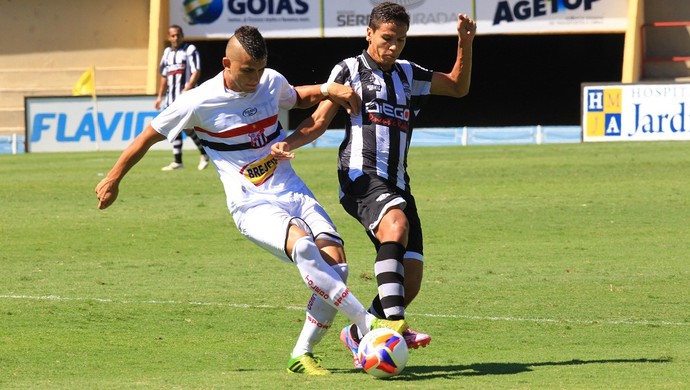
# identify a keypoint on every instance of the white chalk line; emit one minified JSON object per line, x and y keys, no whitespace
{"x":451,"y":316}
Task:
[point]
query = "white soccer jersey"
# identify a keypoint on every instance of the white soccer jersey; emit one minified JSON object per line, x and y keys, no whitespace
{"x":237,"y":130}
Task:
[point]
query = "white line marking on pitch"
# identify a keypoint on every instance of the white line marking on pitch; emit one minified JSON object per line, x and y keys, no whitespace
{"x":248,"y":306}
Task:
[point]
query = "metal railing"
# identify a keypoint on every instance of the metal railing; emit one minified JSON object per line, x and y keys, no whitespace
{"x":643,"y":40}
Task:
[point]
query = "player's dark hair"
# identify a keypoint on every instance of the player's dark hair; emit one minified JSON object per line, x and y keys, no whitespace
{"x":252,"y":42}
{"x":388,"y":12}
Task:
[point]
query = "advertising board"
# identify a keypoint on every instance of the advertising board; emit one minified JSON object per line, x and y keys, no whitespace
{"x":75,"y":123}
{"x":635,"y":112}
{"x":336,"y":18}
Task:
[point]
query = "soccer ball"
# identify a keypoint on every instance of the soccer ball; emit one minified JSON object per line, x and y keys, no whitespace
{"x":383,"y":353}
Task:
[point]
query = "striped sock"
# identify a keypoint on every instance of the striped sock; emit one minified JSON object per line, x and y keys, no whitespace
{"x":177,"y":149}
{"x":390,"y":276}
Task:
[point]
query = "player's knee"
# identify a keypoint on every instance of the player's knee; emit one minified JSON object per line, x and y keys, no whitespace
{"x":304,"y":249}
{"x":331,"y":249}
{"x":394,"y":227}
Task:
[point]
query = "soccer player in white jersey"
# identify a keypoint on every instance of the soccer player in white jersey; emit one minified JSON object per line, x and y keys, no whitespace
{"x":372,"y":164}
{"x":180,"y":69}
{"x":235,"y":115}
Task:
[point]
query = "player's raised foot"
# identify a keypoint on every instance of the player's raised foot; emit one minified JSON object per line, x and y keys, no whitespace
{"x":306,"y":364}
{"x":351,"y":344}
{"x":203,"y":162}
{"x":397,"y":325}
{"x":415,"y":339}
{"x":172,"y":166}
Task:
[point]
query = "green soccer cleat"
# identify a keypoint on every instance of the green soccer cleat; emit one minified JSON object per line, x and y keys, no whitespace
{"x":399,"y":325}
{"x":306,"y":364}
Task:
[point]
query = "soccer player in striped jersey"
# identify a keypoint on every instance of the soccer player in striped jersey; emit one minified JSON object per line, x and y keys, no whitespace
{"x":180,"y":69}
{"x":236,"y":116}
{"x":372,"y":165}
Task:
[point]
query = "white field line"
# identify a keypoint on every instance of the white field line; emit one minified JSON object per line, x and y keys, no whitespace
{"x":451,"y":316}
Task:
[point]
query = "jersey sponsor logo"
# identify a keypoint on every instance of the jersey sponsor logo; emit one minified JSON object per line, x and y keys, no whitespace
{"x":258,"y":172}
{"x":174,"y":69}
{"x":177,"y":67}
{"x":373,"y":87}
{"x":251,"y":111}
{"x":386,"y":114}
{"x":395,"y":111}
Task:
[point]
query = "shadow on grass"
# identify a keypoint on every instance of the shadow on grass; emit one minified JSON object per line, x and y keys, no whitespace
{"x":430,"y":372}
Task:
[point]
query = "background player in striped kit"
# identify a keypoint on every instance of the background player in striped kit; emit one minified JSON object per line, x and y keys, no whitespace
{"x":372,"y":164}
{"x":180,"y":69}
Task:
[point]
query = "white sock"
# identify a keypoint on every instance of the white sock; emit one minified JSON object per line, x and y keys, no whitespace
{"x":325,"y":281}
{"x":319,"y":319}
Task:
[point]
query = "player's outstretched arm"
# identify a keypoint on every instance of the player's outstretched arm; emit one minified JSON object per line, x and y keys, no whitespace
{"x":457,"y":82}
{"x":308,"y":95}
{"x":310,"y":129}
{"x":108,"y":189}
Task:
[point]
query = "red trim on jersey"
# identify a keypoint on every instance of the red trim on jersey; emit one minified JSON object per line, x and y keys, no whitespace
{"x":242,"y":130}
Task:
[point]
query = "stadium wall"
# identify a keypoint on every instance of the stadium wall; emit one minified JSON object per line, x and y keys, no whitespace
{"x":47,"y":45}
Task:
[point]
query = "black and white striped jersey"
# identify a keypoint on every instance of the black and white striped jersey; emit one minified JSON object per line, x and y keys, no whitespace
{"x":378,"y":139}
{"x":177,"y":66}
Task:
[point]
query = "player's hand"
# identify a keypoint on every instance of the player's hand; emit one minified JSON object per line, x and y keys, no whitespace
{"x":467,"y":29}
{"x":345,"y":96}
{"x":281,"y":151}
{"x":106,"y":192}
{"x":157,"y":105}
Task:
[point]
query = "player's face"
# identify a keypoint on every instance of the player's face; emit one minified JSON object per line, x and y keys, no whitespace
{"x":243,"y":73}
{"x":175,"y":37}
{"x":386,"y":43}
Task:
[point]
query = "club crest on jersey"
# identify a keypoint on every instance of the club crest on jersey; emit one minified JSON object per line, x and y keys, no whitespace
{"x":258,"y":140}
{"x":257,"y":172}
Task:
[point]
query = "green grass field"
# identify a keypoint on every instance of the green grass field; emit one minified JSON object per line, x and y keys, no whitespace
{"x":547,"y":267}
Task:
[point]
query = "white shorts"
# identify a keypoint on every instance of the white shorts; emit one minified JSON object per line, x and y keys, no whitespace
{"x":266,"y":223}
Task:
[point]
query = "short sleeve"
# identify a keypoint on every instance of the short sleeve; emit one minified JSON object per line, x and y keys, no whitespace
{"x":176,"y":117}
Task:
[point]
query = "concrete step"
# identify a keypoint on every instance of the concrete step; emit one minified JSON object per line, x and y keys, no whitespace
{"x":666,"y":70}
